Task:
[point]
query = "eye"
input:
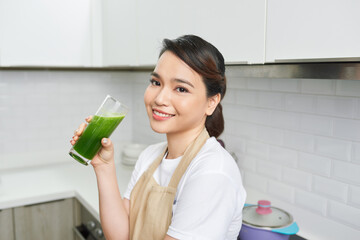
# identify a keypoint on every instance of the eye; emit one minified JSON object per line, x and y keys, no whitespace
{"x":181,"y":89}
{"x":154,"y":82}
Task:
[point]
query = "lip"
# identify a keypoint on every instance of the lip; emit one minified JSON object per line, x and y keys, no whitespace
{"x":161,"y":118}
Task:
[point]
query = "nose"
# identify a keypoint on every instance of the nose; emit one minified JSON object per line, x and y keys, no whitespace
{"x":163,"y":97}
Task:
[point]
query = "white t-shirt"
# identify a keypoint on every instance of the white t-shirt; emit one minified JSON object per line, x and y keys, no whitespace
{"x":210,"y":195}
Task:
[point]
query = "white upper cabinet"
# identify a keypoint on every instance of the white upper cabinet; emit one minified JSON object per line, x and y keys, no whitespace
{"x":134,"y":30}
{"x":308,"y":30}
{"x":235,"y":27}
{"x":45,"y":33}
{"x":156,"y":20}
{"x":119,"y":32}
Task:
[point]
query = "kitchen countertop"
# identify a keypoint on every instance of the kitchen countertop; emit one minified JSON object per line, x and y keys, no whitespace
{"x":52,"y":182}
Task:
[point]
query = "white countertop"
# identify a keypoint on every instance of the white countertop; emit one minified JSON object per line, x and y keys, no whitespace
{"x":47,"y":183}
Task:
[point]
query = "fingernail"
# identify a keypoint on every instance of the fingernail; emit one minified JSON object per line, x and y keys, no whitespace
{"x":105,"y":140}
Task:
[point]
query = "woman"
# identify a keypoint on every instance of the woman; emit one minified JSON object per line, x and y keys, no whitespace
{"x":188,"y":187}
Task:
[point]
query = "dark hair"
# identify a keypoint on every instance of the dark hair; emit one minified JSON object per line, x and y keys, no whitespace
{"x":207,"y":61}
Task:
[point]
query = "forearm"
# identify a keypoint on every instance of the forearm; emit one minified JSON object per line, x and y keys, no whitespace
{"x":113,"y":214}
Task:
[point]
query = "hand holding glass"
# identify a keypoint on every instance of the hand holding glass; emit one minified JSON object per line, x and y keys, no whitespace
{"x":102,"y":125}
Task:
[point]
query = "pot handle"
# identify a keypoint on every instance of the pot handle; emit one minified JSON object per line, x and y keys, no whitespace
{"x":248,"y":204}
{"x":289,"y":230}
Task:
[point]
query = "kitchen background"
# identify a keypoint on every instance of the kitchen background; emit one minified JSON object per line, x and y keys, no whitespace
{"x":297,"y":140}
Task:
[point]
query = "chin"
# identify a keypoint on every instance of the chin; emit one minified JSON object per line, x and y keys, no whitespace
{"x":158,"y":129}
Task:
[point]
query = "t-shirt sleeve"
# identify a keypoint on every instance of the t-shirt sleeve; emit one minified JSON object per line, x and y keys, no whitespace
{"x":205,"y":208}
{"x":138,"y":170}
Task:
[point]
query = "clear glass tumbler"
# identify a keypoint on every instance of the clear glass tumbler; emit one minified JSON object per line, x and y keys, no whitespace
{"x":102,"y":125}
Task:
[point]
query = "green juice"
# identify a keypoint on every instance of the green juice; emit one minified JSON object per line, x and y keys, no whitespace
{"x":99,"y":127}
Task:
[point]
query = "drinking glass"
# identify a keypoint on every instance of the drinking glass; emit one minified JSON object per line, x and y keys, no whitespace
{"x":102,"y":125}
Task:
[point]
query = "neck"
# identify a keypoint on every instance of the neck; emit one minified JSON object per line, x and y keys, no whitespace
{"x":178,"y":142}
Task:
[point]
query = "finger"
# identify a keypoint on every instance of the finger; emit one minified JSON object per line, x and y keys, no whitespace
{"x":88,"y":119}
{"x":80,"y":129}
{"x":72,"y":142}
{"x":75,"y":138}
{"x":107,"y":151}
{"x":107,"y":144}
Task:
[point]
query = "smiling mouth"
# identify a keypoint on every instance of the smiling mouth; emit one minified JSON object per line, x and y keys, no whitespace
{"x":163,"y":115}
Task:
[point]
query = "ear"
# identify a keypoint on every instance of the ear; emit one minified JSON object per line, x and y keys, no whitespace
{"x":212,"y":104}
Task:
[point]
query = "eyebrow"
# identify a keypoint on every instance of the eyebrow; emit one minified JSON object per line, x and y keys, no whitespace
{"x":175,"y":79}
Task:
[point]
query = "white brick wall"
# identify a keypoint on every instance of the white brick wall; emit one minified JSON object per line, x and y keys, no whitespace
{"x":39,"y":110}
{"x":302,"y":139}
{"x":297,"y":140}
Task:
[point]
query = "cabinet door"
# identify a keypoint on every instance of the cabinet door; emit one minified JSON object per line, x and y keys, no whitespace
{"x":119,"y":32}
{"x":235,"y":27}
{"x":52,"y":220}
{"x":156,"y":20}
{"x":6,"y":224}
{"x":311,"y":30}
{"x":45,"y":33}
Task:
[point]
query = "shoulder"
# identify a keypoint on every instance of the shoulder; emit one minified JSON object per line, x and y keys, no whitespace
{"x":213,"y":158}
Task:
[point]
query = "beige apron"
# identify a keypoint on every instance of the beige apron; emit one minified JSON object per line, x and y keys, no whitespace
{"x":151,"y":204}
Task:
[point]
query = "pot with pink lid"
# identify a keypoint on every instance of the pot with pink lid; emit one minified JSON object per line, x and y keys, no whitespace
{"x":262,"y":221}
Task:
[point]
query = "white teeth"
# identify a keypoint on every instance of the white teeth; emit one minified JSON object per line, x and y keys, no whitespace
{"x":162,"y":114}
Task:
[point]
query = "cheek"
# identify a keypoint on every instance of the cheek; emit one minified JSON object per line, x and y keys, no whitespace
{"x":147,"y":96}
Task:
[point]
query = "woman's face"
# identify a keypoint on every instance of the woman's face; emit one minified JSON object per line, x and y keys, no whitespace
{"x":176,"y":100}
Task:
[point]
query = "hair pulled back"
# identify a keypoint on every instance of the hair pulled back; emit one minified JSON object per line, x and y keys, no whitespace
{"x":208,"y":62}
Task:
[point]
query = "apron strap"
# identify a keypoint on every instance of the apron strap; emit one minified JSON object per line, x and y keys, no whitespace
{"x":156,"y":163}
{"x":189,"y":154}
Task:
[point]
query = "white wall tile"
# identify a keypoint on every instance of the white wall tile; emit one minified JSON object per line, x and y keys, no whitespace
{"x":236,"y":82}
{"x":268,"y":169}
{"x":246,"y":97}
{"x":297,"y":178}
{"x":281,"y":191}
{"x":235,"y":144}
{"x":354,"y":196}
{"x":355,"y":152}
{"x":287,"y":120}
{"x":269,"y":135}
{"x":258,"y":115}
{"x":255,"y":181}
{"x":236,"y":112}
{"x":315,"y":164}
{"x":349,"y":215}
{"x":283,"y":156}
{"x":333,"y":148}
{"x":299,"y":141}
{"x":247,"y":162}
{"x":318,"y":86}
{"x":272,"y":100}
{"x":285,"y":85}
{"x":347,"y":128}
{"x":259,"y":84}
{"x":300,"y":103}
{"x":331,"y":188}
{"x":246,"y":130}
{"x":230,"y":126}
{"x":316,"y":124}
{"x":347,"y":171}
{"x":357,"y":114}
{"x":257,"y":149}
{"x":311,"y":201}
{"x":336,"y":106}
{"x":230,"y":96}
{"x":348,"y":88}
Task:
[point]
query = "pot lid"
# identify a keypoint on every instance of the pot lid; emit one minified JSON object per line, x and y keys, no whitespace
{"x":263,"y":215}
